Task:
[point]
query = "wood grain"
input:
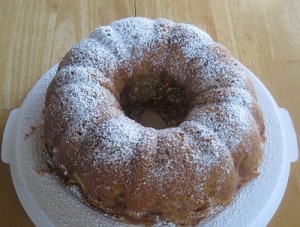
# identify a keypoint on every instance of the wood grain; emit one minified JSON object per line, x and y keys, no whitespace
{"x":34,"y":36}
{"x":263,"y":35}
{"x":37,"y":34}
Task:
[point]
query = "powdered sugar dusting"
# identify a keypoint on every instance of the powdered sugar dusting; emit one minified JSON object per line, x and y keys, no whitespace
{"x":191,"y":40}
{"x":217,"y":69}
{"x":201,"y":63}
{"x":82,"y":104}
{"x":89,"y":53}
{"x":229,"y":121}
{"x":234,"y":96}
{"x":86,"y":102}
{"x":209,"y":150}
{"x":119,"y":136}
{"x":139,"y":34}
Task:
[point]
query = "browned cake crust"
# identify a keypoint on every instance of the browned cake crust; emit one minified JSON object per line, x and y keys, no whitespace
{"x":183,"y":173}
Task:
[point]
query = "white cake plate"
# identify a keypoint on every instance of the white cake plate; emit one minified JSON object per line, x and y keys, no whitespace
{"x":48,"y":203}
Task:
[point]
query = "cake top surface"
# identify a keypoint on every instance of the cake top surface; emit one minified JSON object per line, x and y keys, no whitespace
{"x":86,"y":100}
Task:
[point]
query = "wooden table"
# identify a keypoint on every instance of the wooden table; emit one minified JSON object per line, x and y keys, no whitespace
{"x":263,"y":35}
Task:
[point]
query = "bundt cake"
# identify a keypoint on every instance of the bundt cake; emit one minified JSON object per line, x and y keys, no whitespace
{"x":183,"y":173}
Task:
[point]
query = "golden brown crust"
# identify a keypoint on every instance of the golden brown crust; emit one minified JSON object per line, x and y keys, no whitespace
{"x":181,"y":174}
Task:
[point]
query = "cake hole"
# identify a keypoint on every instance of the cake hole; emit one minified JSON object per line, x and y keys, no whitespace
{"x":151,"y":118}
{"x":155,"y":101}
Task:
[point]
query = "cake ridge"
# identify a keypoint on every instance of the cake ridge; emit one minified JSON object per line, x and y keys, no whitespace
{"x":183,"y":173}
